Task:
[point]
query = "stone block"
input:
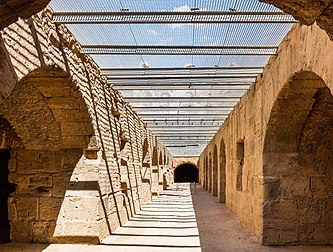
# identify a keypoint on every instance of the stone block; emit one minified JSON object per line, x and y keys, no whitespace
{"x":77,"y":232}
{"x":280,"y":164}
{"x":31,"y":162}
{"x":20,"y":231}
{"x":321,"y":187}
{"x":272,"y":190}
{"x":280,"y":237}
{"x":63,"y":103}
{"x":316,"y":234}
{"x":57,"y":90}
{"x":61,"y":183}
{"x":76,"y":128}
{"x":281,"y":210}
{"x":71,"y":159}
{"x":39,"y":181}
{"x":26,"y":208}
{"x":83,"y":209}
{"x":12,"y":213}
{"x":74,"y":141}
{"x":68,"y":115}
{"x":293,"y":187}
{"x":42,"y":231}
{"x":49,"y":208}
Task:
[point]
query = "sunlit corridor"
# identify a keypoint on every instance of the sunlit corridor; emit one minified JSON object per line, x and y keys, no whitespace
{"x":160,"y":125}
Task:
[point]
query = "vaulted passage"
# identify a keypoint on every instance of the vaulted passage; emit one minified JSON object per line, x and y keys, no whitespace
{"x":5,"y":189}
{"x":110,"y":110}
{"x":186,"y":173}
{"x":298,"y":161}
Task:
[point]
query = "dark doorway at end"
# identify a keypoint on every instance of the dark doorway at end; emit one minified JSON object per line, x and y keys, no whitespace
{"x":186,"y":173}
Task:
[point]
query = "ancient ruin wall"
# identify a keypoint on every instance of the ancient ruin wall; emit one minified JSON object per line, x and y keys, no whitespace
{"x":305,"y":51}
{"x":79,"y":169}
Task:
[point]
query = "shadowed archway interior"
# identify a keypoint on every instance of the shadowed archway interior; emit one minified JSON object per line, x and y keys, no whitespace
{"x":186,"y":173}
{"x":5,"y":189}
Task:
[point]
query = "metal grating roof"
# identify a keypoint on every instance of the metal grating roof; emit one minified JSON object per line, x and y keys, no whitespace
{"x":182,"y":65}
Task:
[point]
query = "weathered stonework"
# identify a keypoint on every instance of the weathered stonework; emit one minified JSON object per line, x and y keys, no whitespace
{"x":285,"y":123}
{"x":11,"y":10}
{"x":80,"y":157}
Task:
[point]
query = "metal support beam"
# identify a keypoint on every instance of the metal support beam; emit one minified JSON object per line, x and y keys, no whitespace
{"x":184,"y":109}
{"x":180,"y":120}
{"x":181,"y":75}
{"x":192,"y":119}
{"x":179,"y":69}
{"x":171,"y":17}
{"x":169,"y":84}
{"x":209,"y":78}
{"x":169,"y":126}
{"x":167,"y":140}
{"x":187,"y":134}
{"x":208,"y":113}
{"x":180,"y":98}
{"x":178,"y":50}
{"x":182,"y":82}
{"x":163,"y":108}
{"x":143,"y":88}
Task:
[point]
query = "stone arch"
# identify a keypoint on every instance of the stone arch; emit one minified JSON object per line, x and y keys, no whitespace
{"x":298,"y":164}
{"x":155,"y":157}
{"x":186,"y":172}
{"x":215,"y":172}
{"x":47,"y":111}
{"x":8,"y":140}
{"x":210,"y":172}
{"x":222,"y":173}
{"x":145,"y":150}
{"x":160,"y":159}
{"x":206,"y":173}
{"x":49,"y":116}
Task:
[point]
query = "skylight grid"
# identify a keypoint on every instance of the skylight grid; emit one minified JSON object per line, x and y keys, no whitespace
{"x":159,"y":5}
{"x":143,"y":35}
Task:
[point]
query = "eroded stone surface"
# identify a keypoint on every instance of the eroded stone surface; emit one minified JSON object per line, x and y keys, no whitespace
{"x":79,"y":170}
{"x":285,"y":122}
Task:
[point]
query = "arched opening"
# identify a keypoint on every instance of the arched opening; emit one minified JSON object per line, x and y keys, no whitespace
{"x":222,"y":170}
{"x":215,"y":169}
{"x":298,"y":165}
{"x":155,"y":157}
{"x":210,"y":172}
{"x":5,"y":189}
{"x":8,"y":138}
{"x":145,"y":151}
{"x":52,"y":137}
{"x":206,"y":173}
{"x":186,"y":173}
{"x":160,"y":160}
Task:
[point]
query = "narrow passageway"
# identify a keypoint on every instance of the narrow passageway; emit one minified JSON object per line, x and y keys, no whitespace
{"x":220,"y":231}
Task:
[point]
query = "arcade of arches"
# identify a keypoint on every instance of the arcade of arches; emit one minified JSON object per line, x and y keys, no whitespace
{"x":77,"y":162}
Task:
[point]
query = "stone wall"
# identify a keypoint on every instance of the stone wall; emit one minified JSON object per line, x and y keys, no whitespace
{"x":273,"y":160}
{"x":81,"y":159}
